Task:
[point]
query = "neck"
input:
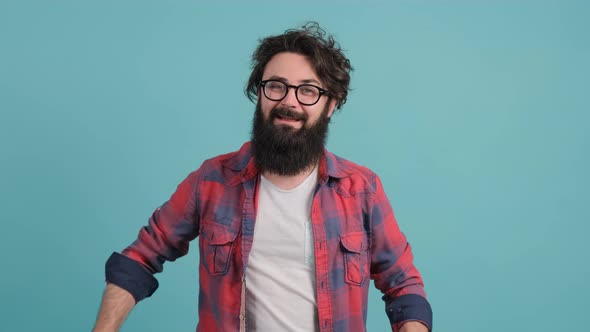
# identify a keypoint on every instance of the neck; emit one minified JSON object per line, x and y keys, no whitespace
{"x":288,"y":182}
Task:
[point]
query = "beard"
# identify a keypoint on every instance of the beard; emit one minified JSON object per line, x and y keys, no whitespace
{"x":284,"y":150}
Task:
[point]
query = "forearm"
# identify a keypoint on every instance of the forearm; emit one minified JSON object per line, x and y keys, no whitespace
{"x":115,"y":307}
{"x":413,"y":327}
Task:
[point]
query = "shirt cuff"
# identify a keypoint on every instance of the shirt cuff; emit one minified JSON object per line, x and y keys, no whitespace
{"x":409,"y":307}
{"x":131,"y":276}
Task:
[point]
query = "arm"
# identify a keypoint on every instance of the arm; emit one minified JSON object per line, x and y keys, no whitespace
{"x":115,"y":307}
{"x":166,"y":237}
{"x":393,"y":269}
{"x":413,"y":327}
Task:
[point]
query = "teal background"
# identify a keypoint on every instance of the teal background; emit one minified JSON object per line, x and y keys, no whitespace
{"x":474,"y":114}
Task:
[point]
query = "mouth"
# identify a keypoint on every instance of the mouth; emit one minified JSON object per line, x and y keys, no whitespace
{"x":288,"y":122}
{"x":288,"y":117}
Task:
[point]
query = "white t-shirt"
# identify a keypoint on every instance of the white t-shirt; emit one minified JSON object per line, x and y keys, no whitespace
{"x":280,"y":278}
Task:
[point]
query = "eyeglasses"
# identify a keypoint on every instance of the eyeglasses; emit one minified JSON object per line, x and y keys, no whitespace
{"x":306,"y":94}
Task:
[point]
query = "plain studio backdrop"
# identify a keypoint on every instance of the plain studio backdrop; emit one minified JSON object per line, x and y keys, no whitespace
{"x":474,"y":113}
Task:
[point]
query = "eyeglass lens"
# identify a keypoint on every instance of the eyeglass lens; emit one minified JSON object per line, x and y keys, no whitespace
{"x":306,"y":94}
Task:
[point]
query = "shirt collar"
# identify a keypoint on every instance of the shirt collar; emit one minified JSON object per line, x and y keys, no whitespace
{"x":243,"y":163}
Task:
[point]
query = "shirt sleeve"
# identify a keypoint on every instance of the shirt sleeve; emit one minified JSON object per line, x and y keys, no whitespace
{"x":166,"y":237}
{"x":393,"y":269}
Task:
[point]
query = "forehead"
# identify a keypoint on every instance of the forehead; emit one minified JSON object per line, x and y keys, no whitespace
{"x":293,"y":67}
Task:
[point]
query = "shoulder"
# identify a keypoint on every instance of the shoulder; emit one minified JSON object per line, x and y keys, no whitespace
{"x":225,"y":166}
{"x":351,"y":177}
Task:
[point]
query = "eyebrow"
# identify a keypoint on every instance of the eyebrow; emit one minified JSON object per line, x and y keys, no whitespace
{"x":284,"y":80}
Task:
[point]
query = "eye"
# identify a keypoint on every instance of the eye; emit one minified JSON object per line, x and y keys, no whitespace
{"x":309,"y":90}
{"x":275,"y":86}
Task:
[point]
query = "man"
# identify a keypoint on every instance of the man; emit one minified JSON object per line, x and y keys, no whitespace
{"x":289,"y":234}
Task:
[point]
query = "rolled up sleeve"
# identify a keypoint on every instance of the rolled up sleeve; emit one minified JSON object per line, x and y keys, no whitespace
{"x":410,"y":307}
{"x":131,"y":276}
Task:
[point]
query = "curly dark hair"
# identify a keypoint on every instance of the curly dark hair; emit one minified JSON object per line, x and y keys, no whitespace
{"x":324,"y":53}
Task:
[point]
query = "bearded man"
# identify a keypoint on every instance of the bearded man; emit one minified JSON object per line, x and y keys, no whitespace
{"x":289,"y":234}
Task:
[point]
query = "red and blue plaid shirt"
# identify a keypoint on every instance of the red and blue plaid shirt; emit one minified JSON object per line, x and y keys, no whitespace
{"x":356,"y":238}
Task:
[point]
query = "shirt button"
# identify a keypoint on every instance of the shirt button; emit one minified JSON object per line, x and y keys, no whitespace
{"x":241,"y":317}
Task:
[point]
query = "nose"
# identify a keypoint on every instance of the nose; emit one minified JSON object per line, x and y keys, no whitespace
{"x":290,"y":99}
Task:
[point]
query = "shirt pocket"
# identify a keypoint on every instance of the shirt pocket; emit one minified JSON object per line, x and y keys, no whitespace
{"x":218,"y":243}
{"x":354,"y":248}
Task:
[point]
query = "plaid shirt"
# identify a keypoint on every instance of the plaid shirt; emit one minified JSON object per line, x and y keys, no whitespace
{"x":356,"y":238}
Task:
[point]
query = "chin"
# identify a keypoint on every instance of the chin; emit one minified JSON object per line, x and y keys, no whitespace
{"x":287,"y":127}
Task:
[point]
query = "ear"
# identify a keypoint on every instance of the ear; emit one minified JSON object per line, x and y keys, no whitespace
{"x":331,"y":107}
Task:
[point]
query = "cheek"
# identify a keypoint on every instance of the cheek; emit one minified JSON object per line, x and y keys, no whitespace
{"x":313,"y":114}
{"x":266,"y":106}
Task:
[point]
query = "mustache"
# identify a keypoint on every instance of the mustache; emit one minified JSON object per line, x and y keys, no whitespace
{"x":287,"y":113}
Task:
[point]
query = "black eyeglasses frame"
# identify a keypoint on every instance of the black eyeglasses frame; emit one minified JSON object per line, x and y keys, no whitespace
{"x":322,"y":92}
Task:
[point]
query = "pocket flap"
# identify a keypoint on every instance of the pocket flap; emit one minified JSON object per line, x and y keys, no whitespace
{"x":353,"y":242}
{"x":219,"y":235}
